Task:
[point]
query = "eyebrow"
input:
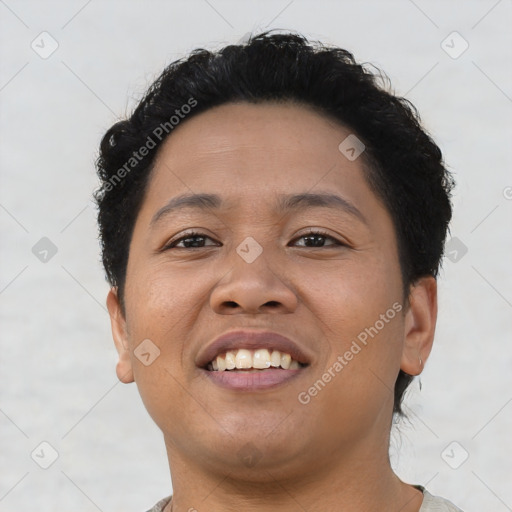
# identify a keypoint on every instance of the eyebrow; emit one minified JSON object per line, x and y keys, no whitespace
{"x":285,"y":203}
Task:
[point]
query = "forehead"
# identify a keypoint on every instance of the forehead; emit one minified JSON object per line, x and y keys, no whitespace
{"x":242,"y":122}
{"x":256,"y":149}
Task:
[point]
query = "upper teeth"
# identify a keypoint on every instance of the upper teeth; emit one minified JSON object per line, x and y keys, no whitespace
{"x":259,"y":359}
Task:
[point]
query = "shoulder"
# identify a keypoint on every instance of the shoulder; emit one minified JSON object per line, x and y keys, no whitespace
{"x":436,"y":504}
{"x":159,"y":507}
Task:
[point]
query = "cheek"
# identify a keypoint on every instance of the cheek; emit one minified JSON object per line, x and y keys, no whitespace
{"x":158,"y":300}
{"x":354,"y":384}
{"x":361,"y":313}
{"x":351,"y":294}
{"x":159,"y":309}
{"x":157,"y":306}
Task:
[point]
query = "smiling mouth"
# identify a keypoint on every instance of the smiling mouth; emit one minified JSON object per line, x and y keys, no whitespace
{"x":252,"y":361}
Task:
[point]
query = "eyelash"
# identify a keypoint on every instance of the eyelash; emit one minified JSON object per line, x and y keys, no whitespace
{"x":193,"y":234}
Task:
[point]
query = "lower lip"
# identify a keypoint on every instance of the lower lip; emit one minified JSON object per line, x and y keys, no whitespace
{"x":252,"y":380}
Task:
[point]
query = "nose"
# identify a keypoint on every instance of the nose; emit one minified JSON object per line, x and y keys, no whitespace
{"x":252,"y":288}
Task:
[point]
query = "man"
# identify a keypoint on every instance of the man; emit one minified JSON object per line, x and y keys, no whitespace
{"x":272,"y":222}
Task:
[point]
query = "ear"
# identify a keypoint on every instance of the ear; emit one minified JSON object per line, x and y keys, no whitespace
{"x":420,"y":324}
{"x":124,"y":365}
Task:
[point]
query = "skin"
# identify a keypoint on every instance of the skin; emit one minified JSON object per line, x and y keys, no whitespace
{"x":311,"y":457}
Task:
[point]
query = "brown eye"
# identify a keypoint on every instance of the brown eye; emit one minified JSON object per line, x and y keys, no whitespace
{"x":315,"y":239}
{"x":190,"y":241}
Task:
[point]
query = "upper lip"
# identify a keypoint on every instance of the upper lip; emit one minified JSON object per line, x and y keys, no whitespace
{"x":251,"y":340}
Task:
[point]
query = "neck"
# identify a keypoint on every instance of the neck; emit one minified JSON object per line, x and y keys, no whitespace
{"x":358,"y":480}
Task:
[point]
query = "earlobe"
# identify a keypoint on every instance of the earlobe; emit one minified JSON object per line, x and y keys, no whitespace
{"x":420,"y":324}
{"x":124,"y":368}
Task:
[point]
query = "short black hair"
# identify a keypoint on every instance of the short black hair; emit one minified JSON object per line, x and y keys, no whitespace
{"x":403,"y":166}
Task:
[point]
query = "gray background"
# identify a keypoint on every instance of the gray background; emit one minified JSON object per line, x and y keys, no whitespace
{"x":57,"y":357}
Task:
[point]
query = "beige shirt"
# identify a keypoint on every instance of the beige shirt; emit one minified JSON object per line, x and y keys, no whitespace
{"x":430,"y":503}
{"x":435,"y":503}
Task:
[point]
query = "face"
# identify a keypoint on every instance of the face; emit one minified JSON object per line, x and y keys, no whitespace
{"x":268,"y":254}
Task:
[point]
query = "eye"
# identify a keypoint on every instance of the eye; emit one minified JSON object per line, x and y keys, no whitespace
{"x":197,"y":240}
{"x":190,"y":241}
{"x":317,"y":239}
